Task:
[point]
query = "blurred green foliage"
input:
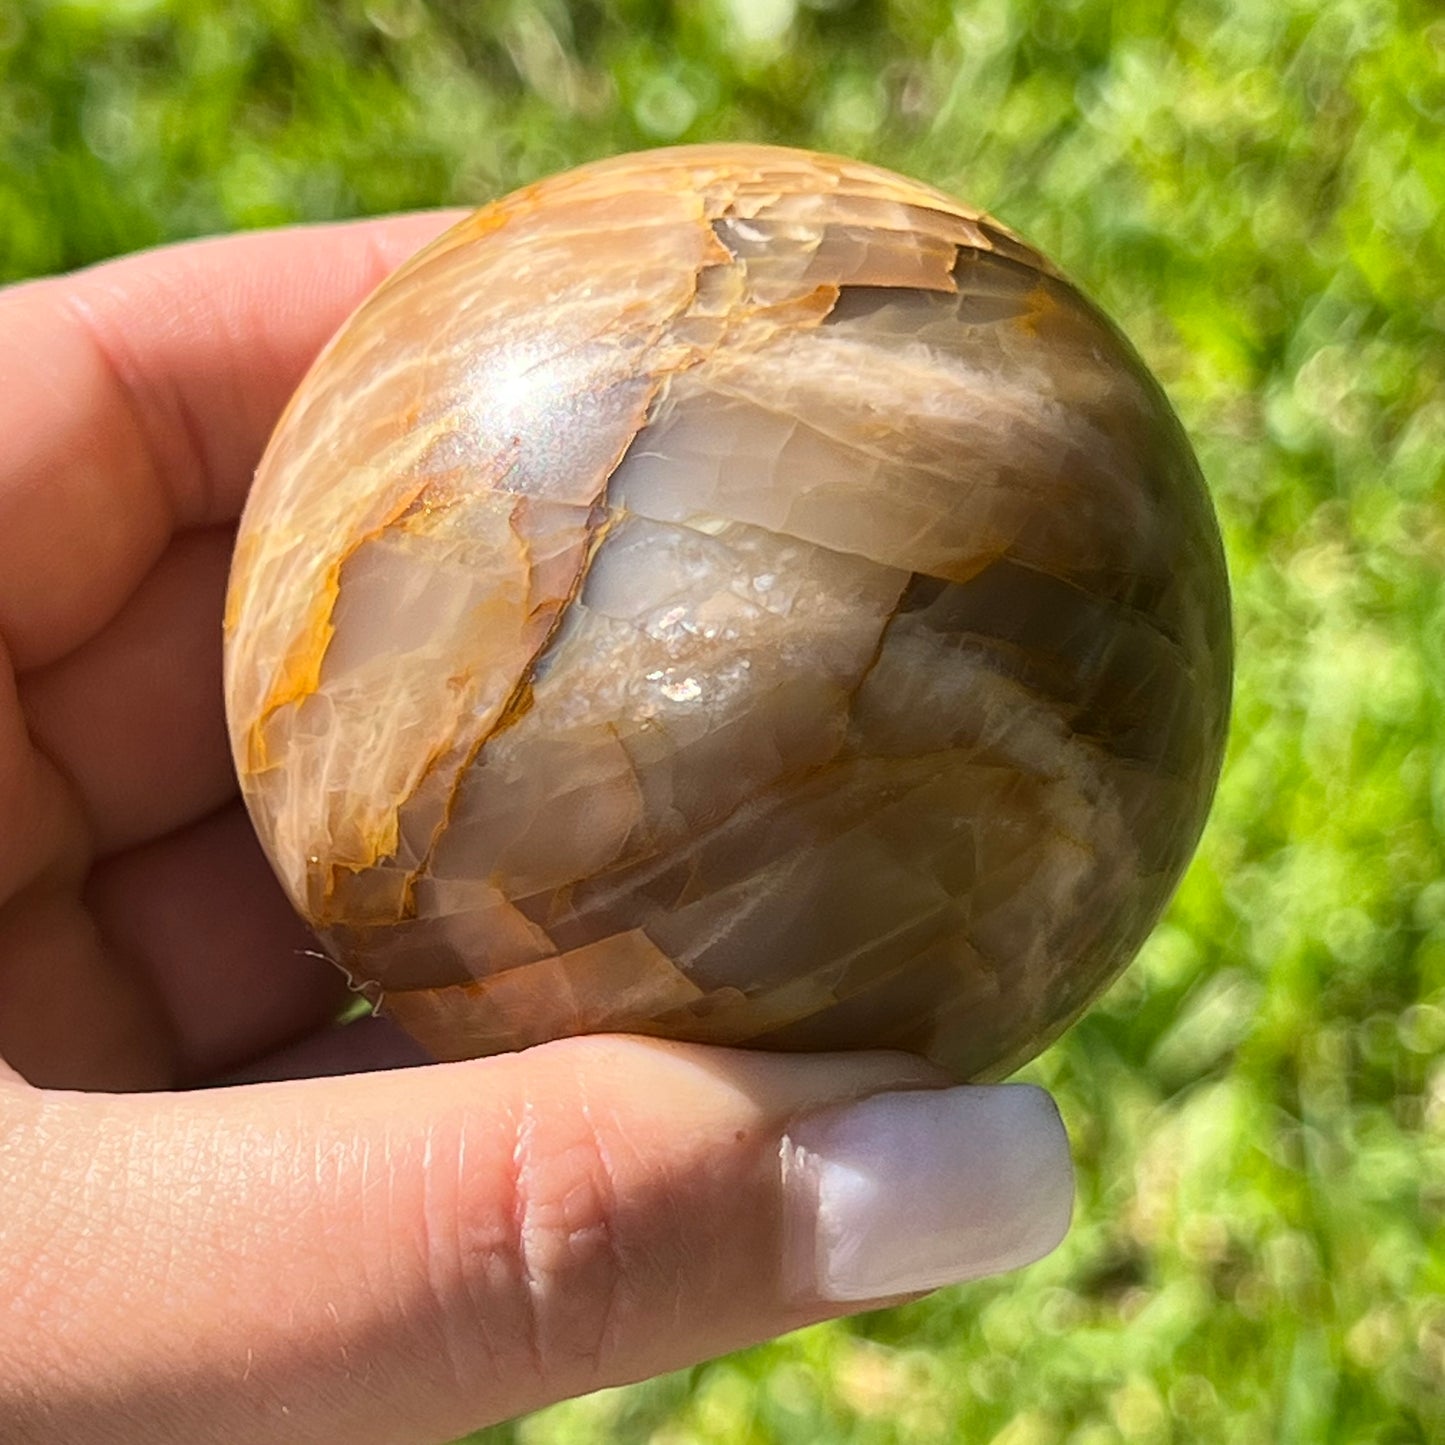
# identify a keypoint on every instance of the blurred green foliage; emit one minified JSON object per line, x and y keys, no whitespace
{"x":1256,"y":190}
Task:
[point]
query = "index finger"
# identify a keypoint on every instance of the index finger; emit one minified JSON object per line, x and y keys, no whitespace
{"x":136,"y":398}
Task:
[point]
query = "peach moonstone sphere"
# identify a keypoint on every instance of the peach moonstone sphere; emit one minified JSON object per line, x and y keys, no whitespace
{"x":733,"y":594}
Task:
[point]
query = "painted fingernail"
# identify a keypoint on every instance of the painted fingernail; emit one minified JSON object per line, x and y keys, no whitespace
{"x":908,"y":1191}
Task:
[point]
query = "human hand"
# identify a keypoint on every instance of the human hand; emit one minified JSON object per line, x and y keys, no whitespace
{"x":393,"y":1256}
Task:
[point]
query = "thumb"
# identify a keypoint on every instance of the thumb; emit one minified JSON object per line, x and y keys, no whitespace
{"x":403,"y":1257}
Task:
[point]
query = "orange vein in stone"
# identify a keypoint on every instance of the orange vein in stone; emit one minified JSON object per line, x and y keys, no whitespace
{"x":300,"y":673}
{"x":515,"y":706}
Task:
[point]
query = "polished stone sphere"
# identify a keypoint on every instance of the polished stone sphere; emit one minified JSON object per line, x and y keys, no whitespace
{"x":732,"y":594}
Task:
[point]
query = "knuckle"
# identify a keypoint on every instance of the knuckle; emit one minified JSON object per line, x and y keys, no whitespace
{"x":566,"y":1238}
{"x":524,"y":1262}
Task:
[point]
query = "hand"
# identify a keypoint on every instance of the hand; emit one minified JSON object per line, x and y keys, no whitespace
{"x":387,"y":1256}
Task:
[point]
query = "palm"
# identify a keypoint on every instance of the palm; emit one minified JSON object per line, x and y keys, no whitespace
{"x":143,"y":941}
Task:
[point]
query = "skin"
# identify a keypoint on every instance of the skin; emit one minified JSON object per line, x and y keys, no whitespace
{"x":397,"y":1255}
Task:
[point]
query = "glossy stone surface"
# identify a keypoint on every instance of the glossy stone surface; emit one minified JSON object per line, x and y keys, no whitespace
{"x":733,"y":594}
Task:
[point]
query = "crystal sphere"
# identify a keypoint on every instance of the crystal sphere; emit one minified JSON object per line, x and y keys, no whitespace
{"x":732,"y":594}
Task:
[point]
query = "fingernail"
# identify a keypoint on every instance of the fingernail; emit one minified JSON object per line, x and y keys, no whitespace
{"x":908,"y":1191}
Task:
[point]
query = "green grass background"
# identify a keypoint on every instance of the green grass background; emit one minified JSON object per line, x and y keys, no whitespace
{"x":1255,"y":191}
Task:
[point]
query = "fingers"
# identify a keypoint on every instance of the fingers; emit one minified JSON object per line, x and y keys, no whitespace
{"x":44,"y":842}
{"x":360,"y":1046}
{"x":134,"y":716}
{"x":72,"y":1015}
{"x":182,"y":961}
{"x":136,"y":397}
{"x":201,"y":917}
{"x":402,"y":1257}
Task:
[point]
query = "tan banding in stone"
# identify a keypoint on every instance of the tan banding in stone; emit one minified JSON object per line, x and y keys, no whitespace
{"x":735,"y":594}
{"x":603,"y":986}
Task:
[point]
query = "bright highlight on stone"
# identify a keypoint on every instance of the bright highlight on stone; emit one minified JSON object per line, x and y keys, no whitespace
{"x":733,"y":594}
